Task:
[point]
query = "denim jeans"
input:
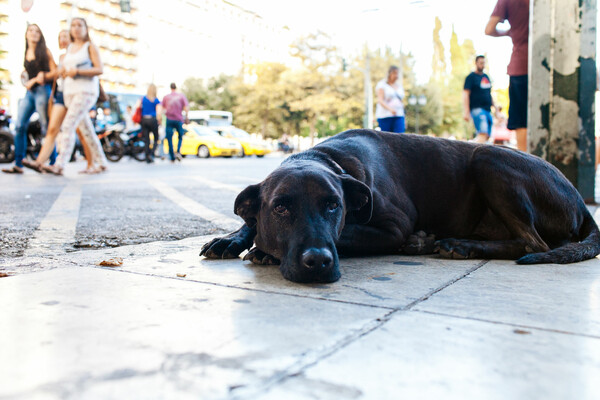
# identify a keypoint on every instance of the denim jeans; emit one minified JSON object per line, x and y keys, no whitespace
{"x":34,"y":100}
{"x":178,"y":126}
{"x":483,"y":121}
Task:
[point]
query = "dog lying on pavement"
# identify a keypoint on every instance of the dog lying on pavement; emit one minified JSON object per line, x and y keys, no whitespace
{"x":366,"y":192}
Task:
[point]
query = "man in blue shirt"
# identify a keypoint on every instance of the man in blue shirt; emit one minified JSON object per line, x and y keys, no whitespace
{"x":477,"y":101}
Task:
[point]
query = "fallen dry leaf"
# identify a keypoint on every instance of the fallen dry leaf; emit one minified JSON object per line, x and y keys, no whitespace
{"x":181,"y":275}
{"x":113,"y":262}
{"x":3,"y":275}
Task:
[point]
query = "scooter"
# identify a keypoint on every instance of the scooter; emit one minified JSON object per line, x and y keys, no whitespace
{"x":117,"y":142}
{"x":134,"y":144}
{"x":7,"y":138}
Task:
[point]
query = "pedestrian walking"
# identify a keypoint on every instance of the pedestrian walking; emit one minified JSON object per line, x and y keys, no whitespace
{"x":390,"y":108}
{"x":517,"y":14}
{"x":82,"y":65}
{"x":128,"y":117}
{"x":477,"y":101}
{"x":175,"y":104}
{"x":57,"y":115}
{"x":39,"y":71}
{"x":150,"y":119}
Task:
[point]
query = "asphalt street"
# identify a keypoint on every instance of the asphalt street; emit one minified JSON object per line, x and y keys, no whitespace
{"x":132,"y":203}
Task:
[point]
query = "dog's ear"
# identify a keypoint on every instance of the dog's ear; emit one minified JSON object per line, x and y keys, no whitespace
{"x":247,"y":204}
{"x":358,"y":198}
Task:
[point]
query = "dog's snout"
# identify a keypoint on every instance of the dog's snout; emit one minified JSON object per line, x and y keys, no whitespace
{"x":314,"y":258}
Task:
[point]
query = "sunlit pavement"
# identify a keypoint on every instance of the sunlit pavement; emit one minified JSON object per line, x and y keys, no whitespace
{"x":169,"y":324}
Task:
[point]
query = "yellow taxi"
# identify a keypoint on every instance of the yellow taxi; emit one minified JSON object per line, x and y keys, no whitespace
{"x":249,"y":146}
{"x":204,"y":142}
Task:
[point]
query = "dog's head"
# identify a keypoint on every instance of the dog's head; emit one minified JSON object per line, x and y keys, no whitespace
{"x":299,"y":212}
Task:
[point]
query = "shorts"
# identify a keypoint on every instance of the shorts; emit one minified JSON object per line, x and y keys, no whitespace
{"x":392,"y":124}
{"x":517,"y":111}
{"x":482,"y":119}
{"x":59,"y":98}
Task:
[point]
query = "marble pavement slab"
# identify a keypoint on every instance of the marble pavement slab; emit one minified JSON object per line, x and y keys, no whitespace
{"x":74,"y":333}
{"x":564,"y":298}
{"x":394,"y":281}
{"x":423,"y":356}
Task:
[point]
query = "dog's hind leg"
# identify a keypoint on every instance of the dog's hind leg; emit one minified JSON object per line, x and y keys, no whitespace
{"x":359,"y":239}
{"x":492,"y":249}
{"x":505,"y":188}
{"x":419,"y":243}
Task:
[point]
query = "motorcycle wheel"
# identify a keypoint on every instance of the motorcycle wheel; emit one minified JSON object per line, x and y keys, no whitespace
{"x":7,"y":147}
{"x":113,"y":147}
{"x":138,"y":150}
{"x":34,"y":139}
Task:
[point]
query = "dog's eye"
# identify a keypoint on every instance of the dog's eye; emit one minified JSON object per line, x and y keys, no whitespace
{"x":281,"y":210}
{"x":332,"y":206}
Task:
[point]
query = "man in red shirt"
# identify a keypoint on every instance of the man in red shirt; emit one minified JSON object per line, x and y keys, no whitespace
{"x":174,"y":105}
{"x":517,"y":14}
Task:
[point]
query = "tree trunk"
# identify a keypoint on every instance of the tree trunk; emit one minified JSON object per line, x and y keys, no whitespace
{"x":265,"y":121}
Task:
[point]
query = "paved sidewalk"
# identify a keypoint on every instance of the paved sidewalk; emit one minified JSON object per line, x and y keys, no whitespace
{"x":392,"y":327}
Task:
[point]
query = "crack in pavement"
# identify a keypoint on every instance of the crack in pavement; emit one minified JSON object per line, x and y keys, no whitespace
{"x":314,"y":357}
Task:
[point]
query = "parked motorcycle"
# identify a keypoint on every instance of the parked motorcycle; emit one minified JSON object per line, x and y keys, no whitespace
{"x":134,"y":144}
{"x":7,"y":138}
{"x":116,"y":143}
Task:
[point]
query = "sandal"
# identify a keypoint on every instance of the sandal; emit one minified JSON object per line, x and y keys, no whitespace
{"x":33,"y":165}
{"x":88,"y":170}
{"x":13,"y":170}
{"x":53,"y":169}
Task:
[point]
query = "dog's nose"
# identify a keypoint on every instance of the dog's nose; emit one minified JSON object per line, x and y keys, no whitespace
{"x":314,"y":258}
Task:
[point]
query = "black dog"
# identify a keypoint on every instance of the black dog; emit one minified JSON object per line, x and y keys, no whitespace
{"x":367,"y":192}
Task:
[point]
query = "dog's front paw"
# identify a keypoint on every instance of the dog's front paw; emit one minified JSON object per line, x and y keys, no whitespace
{"x":225,"y":247}
{"x":419,"y":243}
{"x":258,"y":256}
{"x":455,"y":249}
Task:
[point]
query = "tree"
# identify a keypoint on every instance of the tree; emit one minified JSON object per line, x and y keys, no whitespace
{"x":314,"y":87}
{"x":216,"y":94}
{"x":451,"y":85}
{"x":438,"y":62}
{"x":261,"y":99}
{"x":196,"y":93}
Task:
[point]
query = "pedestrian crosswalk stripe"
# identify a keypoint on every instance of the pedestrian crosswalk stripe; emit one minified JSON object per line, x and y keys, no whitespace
{"x":195,"y":208}
{"x":219,"y":185}
{"x":59,"y":225}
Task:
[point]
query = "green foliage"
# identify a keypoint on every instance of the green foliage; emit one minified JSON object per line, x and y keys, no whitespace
{"x":438,"y":62}
{"x":450,"y":85}
{"x":260,"y":99}
{"x":216,"y":94}
{"x":326,"y":95}
{"x":430,"y":115}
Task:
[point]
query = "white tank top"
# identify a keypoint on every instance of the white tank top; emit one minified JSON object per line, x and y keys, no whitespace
{"x":59,"y":80}
{"x":80,"y":60}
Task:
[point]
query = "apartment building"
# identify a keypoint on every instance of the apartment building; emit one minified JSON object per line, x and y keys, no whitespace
{"x":156,"y":42}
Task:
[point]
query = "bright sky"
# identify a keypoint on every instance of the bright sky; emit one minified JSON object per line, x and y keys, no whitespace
{"x":406,"y":24}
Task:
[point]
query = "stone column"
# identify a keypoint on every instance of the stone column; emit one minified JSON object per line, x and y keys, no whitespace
{"x":562,"y":84}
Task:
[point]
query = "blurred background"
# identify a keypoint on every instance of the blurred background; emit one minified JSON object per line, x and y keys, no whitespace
{"x":299,"y":68}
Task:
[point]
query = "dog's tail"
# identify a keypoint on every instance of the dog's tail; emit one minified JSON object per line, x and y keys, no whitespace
{"x":588,"y":248}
